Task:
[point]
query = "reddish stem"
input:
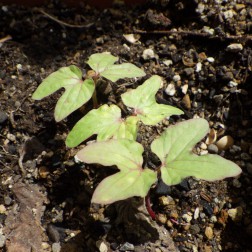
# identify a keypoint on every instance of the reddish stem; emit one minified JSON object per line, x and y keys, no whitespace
{"x":148,"y":207}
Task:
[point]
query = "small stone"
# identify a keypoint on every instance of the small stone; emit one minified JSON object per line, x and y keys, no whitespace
{"x":149,"y":54}
{"x":184,"y":88}
{"x":203,"y":146}
{"x":102,"y":246}
{"x":237,"y":183}
{"x":210,"y":59}
{"x":188,"y":71}
{"x":196,"y":213}
{"x":198,"y":67}
{"x":3,"y":117}
{"x":11,"y":137}
{"x":2,"y":240}
{"x":208,"y":30}
{"x":56,"y":247}
{"x":176,"y":78}
{"x":130,"y":38}
{"x":2,"y":209}
{"x":45,"y":245}
{"x":228,"y":14}
{"x":161,"y":218}
{"x":186,"y":101}
{"x":209,"y":233}
{"x":225,"y":142}
{"x":168,"y":62}
{"x":127,"y":247}
{"x":195,"y":229}
{"x":170,"y":90}
{"x":187,"y":217}
{"x":213,"y":219}
{"x":212,"y":148}
{"x":235,"y":47}
{"x":232,"y":84}
{"x":235,"y":214}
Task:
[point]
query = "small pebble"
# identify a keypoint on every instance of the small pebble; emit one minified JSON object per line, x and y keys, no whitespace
{"x":235,"y":47}
{"x":186,"y":101}
{"x":237,"y":183}
{"x":11,"y":137}
{"x":168,"y":62}
{"x":170,"y":90}
{"x":176,"y":78}
{"x":2,"y":209}
{"x":56,"y":247}
{"x":3,"y":117}
{"x":184,"y":88}
{"x":101,"y":246}
{"x":2,"y":240}
{"x":209,"y":233}
{"x":196,"y":213}
{"x":225,"y":143}
{"x":232,"y":84}
{"x":210,"y":59}
{"x":187,"y":217}
{"x":235,"y":214}
{"x":127,"y":247}
{"x":212,"y":148}
{"x":198,"y":67}
{"x":148,"y":54}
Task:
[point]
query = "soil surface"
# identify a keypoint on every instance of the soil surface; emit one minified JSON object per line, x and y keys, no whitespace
{"x":202,"y":49}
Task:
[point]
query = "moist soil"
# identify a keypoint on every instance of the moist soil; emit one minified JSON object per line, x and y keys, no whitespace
{"x":201,"y":49}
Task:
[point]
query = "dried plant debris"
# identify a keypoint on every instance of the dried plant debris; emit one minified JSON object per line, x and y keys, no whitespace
{"x":23,"y":224}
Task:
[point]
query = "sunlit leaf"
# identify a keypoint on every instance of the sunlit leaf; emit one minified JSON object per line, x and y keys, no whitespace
{"x":106,"y":122}
{"x":124,"y":70}
{"x":101,"y":61}
{"x":174,"y":149}
{"x":77,"y":92}
{"x":103,"y":64}
{"x":131,"y":180}
{"x":142,"y":100}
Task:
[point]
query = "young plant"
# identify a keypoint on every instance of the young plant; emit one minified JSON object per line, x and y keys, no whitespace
{"x":79,"y":91}
{"x":107,"y":123}
{"x":173,"y":148}
{"x":116,"y":136}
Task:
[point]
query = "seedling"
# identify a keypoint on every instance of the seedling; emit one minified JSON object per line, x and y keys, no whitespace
{"x":79,"y":91}
{"x":116,"y":136}
{"x":174,"y":149}
{"x":107,"y":123}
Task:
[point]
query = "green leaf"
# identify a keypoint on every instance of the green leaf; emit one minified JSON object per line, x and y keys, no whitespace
{"x":103,"y":64}
{"x":125,"y":70}
{"x":174,"y":149}
{"x":77,"y":92}
{"x":106,"y":122}
{"x":130,"y":181}
{"x":101,"y":61}
{"x":142,"y":100}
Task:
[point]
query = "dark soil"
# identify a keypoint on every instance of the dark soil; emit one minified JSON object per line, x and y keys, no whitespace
{"x":202,"y":51}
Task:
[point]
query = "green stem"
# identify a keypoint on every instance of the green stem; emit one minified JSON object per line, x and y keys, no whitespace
{"x":94,"y":96}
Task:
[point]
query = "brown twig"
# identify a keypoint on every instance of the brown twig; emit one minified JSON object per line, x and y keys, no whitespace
{"x":194,"y":33}
{"x":62,"y":22}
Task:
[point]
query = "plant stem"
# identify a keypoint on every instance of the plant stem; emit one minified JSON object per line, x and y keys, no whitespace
{"x":94,"y":99}
{"x":94,"y":96}
{"x":148,"y":206}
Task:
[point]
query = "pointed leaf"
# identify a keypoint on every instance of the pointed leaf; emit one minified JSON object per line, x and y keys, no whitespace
{"x":174,"y":149}
{"x":101,"y":61}
{"x":77,"y":91}
{"x":125,"y":70}
{"x":142,"y":99}
{"x":106,"y":122}
{"x":132,"y":180}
